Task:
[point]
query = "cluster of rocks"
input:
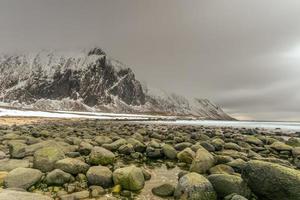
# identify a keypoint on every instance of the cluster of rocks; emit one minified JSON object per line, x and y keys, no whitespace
{"x":106,"y":160}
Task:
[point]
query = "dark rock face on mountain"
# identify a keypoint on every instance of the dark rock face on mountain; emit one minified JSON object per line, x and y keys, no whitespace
{"x":88,"y":81}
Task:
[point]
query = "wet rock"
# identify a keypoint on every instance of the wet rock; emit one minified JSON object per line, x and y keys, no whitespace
{"x":202,"y":162}
{"x":45,"y":158}
{"x":58,"y":177}
{"x":101,"y":156}
{"x":22,"y":178}
{"x":225,"y":184}
{"x":187,"y":155}
{"x":99,"y":175}
{"x":194,"y":186}
{"x":130,"y":178}
{"x":72,"y":166}
{"x":272,"y":181}
{"x":164,"y":190}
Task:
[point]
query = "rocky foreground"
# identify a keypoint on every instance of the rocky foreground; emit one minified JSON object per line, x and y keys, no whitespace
{"x":117,"y":160}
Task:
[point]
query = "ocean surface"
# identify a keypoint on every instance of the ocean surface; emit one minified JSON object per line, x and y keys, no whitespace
{"x":152,"y":119}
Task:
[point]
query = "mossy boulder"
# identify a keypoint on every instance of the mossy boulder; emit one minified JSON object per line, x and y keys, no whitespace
{"x":99,"y":175}
{"x":280,"y":146}
{"x":164,"y":190}
{"x":169,"y":151}
{"x":115,"y":145}
{"x":130,"y":178}
{"x":58,"y":177}
{"x":187,"y":155}
{"x":194,"y":186}
{"x":103,"y":140}
{"x":225,"y":184}
{"x":218,"y":143}
{"x":272,"y":181}
{"x":17,"y":149}
{"x":22,"y":178}
{"x":72,"y":166}
{"x":45,"y":158}
{"x":221,"y":169}
{"x":295,"y":142}
{"x":101,"y":156}
{"x":202,"y":162}
{"x":253,"y":140}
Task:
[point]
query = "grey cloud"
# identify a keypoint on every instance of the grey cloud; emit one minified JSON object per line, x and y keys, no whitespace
{"x":236,"y":53}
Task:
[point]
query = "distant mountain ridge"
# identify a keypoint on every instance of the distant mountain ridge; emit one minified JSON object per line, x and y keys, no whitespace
{"x":88,"y":81}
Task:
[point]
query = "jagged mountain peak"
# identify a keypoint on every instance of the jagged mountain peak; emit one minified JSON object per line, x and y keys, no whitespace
{"x":88,"y":80}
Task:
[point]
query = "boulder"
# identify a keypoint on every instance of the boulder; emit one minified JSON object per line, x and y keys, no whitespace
{"x":187,"y":155}
{"x":137,"y":145}
{"x":164,"y":190}
{"x":19,"y":195}
{"x":45,"y":158}
{"x":280,"y":146}
{"x":126,"y":149}
{"x":169,"y":151}
{"x":225,"y":184}
{"x":103,"y":140}
{"x":130,"y":178}
{"x":272,"y":181}
{"x":99,"y":175}
{"x":17,"y":149}
{"x":72,"y":166}
{"x":115,"y":145}
{"x":253,"y":140}
{"x":293,"y":141}
{"x":218,"y":144}
{"x":8,"y":165}
{"x":58,"y":177}
{"x":22,"y":178}
{"x":221,"y":169}
{"x":234,"y":197}
{"x":194,"y":186}
{"x":202,"y":162}
{"x":101,"y":156}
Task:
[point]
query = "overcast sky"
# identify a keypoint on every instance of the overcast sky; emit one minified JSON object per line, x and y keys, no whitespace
{"x":241,"y":54}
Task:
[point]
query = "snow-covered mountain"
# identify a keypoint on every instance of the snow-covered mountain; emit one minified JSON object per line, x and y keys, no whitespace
{"x":88,"y":81}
